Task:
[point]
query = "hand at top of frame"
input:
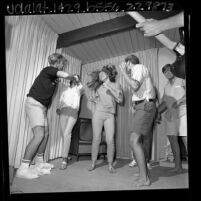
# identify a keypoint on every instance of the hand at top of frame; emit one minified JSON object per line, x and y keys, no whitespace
{"x":151,"y":27}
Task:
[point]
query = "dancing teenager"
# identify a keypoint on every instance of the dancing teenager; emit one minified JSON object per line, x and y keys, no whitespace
{"x":68,"y":111}
{"x":175,"y":116}
{"x":143,"y":100}
{"x":147,"y":140}
{"x":107,"y":93}
{"x":36,"y":105}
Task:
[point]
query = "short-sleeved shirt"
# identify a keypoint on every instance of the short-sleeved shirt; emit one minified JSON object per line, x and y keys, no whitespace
{"x":141,"y":73}
{"x":174,"y":92}
{"x":177,"y":89}
{"x":44,"y":85}
{"x":105,"y":102}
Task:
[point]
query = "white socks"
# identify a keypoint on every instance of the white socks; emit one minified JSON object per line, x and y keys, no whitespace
{"x":39,"y":158}
{"x":25,"y":164}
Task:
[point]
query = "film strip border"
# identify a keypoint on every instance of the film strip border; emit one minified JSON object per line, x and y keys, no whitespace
{"x":81,"y":6}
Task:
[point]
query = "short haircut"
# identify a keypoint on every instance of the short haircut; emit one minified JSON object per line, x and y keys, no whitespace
{"x":133,"y":59}
{"x":56,"y":58}
{"x":167,"y":67}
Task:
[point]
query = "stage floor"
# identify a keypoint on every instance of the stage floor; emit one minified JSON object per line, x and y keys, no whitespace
{"x":77,"y":178}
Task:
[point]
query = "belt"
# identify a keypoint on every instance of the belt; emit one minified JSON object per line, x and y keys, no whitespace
{"x":140,"y":101}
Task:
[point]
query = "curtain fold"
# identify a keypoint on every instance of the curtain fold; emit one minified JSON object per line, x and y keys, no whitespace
{"x":29,"y":42}
{"x":124,"y":113}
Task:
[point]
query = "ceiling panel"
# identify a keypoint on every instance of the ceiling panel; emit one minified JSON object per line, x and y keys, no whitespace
{"x":117,"y":45}
{"x":111,"y":46}
{"x":61,"y":23}
{"x":127,"y":41}
{"x":105,"y":47}
{"x":50,"y":21}
{"x":86,"y":19}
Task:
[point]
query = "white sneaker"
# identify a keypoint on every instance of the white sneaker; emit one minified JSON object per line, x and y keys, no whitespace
{"x":132,"y":163}
{"x":38,"y":169}
{"x":26,"y":173}
{"x":45,"y":165}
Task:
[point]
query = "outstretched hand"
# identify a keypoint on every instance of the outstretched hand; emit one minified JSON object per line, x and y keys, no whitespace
{"x":151,"y":27}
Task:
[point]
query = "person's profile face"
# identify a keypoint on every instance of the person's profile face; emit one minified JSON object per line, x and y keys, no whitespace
{"x":103,"y":76}
{"x":128,"y":65}
{"x":60,"y":65}
{"x":168,"y":74}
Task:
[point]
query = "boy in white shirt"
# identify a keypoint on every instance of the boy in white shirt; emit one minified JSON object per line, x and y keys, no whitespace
{"x":144,"y":103}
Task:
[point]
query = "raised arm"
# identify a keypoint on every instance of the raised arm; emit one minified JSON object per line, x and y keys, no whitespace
{"x":155,"y":28}
{"x":93,"y":97}
{"x":152,"y":27}
{"x":62,"y":74}
{"x":115,"y":90}
{"x":134,"y":84}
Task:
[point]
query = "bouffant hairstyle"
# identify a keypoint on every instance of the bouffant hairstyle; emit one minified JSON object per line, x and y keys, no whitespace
{"x":56,"y":58}
{"x":111,"y":71}
{"x":95,"y":83}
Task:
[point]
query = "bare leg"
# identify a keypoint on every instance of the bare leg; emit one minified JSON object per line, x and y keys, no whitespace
{"x":140,"y":158}
{"x":42,"y":146}
{"x":184,"y":139}
{"x":176,"y":152}
{"x":24,"y":170}
{"x":109,"y":132}
{"x":97,"y":125}
{"x":147,"y":145}
{"x":67,"y":135}
{"x":35,"y":142}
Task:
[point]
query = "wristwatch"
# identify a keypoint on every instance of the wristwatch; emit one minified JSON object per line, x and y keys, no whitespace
{"x":179,"y":49}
